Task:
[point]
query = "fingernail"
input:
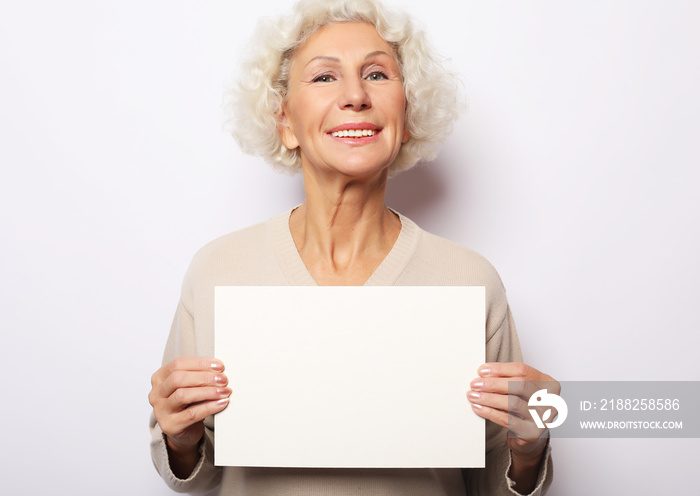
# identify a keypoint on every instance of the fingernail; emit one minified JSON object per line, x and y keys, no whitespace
{"x":220,"y":379}
{"x":224,"y":392}
{"x":473,"y":395}
{"x":484,"y":371}
{"x":477,"y":406}
{"x":222,"y":401}
{"x":218,"y":366}
{"x":477,"y":383}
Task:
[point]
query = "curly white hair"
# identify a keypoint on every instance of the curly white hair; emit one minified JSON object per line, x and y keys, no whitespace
{"x":433,"y":92}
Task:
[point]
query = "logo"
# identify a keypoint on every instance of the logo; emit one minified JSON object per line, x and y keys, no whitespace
{"x":543,"y":398}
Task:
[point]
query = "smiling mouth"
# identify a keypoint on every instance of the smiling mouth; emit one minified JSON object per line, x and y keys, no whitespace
{"x":354,"y":133}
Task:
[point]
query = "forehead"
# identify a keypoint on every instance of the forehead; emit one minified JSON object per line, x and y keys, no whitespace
{"x":345,"y":40}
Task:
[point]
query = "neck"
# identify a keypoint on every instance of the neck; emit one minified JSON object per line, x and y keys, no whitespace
{"x":343,"y":230}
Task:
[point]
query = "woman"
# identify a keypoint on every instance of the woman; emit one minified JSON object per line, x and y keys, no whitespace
{"x":352,"y":95}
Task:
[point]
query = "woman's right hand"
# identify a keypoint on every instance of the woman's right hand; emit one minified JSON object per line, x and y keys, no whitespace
{"x":183,"y":393}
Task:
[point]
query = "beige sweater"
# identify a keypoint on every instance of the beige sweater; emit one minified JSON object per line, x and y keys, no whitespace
{"x":265,"y":254}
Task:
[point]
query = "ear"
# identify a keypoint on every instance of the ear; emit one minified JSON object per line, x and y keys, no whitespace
{"x":289,"y":139}
{"x":405,"y":137}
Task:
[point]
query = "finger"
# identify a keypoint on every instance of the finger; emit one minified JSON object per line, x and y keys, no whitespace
{"x":189,"y":379}
{"x":188,"y":363}
{"x":495,"y":415}
{"x":175,"y":424}
{"x":184,"y":397}
{"x":503,"y":385}
{"x":519,"y":371}
{"x":511,"y":404}
{"x":195,"y":364}
{"x":521,"y":428}
{"x":505,"y":369}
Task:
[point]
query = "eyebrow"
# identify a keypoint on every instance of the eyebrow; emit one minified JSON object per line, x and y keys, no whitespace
{"x":337,"y":60}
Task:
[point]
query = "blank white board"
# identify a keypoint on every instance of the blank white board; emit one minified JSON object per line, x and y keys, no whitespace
{"x":350,"y":376}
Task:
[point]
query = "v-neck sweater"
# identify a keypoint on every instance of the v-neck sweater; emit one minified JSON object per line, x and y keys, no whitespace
{"x":265,"y":255}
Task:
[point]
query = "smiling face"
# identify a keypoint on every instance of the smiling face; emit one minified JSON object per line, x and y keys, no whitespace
{"x":345,"y":106}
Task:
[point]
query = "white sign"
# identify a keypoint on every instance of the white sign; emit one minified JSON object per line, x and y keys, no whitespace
{"x":350,"y":376}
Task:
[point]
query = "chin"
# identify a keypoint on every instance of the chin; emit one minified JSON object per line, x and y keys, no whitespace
{"x":355,"y":167}
{"x":363,"y":171}
{"x":363,"y":166}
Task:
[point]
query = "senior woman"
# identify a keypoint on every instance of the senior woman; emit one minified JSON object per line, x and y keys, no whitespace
{"x":349,"y":94}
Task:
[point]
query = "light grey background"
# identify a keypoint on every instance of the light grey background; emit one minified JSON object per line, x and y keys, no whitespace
{"x":574,"y":173}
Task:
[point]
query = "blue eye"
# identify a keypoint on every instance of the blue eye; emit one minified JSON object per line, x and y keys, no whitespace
{"x":377,"y":76}
{"x":324,"y":78}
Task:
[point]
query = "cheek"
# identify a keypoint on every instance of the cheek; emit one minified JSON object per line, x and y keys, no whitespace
{"x":307,"y":114}
{"x":398,"y":105}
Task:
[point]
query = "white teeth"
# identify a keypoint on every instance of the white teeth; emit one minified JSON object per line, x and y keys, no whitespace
{"x":353,"y":133}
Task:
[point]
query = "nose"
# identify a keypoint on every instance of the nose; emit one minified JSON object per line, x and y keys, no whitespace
{"x":354,"y":95}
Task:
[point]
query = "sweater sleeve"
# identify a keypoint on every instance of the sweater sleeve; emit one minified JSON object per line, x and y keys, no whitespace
{"x":205,"y":476}
{"x":502,"y":345}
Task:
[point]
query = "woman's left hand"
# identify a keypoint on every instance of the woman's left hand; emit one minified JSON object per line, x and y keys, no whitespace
{"x":491,"y":399}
